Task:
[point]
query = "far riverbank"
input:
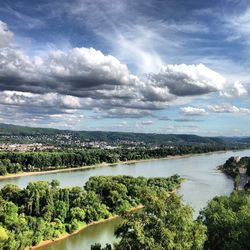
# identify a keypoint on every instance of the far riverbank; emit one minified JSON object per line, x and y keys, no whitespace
{"x":104,"y":164}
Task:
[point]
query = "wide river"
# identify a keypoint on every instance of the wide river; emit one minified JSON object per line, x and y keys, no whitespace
{"x":203,"y":182}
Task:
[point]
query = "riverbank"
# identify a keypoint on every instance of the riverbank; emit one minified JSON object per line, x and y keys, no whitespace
{"x":236,"y":170}
{"x":67,"y":235}
{"x":203,"y":183}
{"x":104,"y":164}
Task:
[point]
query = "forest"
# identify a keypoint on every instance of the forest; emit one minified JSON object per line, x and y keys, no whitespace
{"x":14,"y":162}
{"x":43,"y":210}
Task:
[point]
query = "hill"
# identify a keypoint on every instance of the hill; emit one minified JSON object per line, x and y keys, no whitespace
{"x":19,"y":133}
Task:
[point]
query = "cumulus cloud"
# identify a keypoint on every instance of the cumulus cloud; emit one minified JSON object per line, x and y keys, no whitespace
{"x":85,"y":78}
{"x":76,"y":72}
{"x":227,"y":108}
{"x":192,"y":111}
{"x":235,"y":90}
{"x":188,"y":80}
{"x":37,"y":100}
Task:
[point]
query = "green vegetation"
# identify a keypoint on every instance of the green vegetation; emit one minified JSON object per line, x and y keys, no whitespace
{"x":162,"y":224}
{"x":232,"y":168}
{"x":6,"y":167}
{"x":167,"y":224}
{"x":44,"y":211}
{"x":13,"y":162}
{"x":228,"y":222}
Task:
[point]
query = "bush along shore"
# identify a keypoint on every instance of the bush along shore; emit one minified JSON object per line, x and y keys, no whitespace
{"x":44,"y":211}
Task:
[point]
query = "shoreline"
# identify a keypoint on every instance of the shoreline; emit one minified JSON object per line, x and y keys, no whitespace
{"x":67,"y":235}
{"x":104,"y":164}
{"x":113,"y":217}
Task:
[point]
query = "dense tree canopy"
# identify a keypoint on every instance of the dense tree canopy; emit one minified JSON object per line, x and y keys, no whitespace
{"x":43,"y":210}
{"x":228,"y":222}
{"x":164,"y":223}
{"x":161,"y":225}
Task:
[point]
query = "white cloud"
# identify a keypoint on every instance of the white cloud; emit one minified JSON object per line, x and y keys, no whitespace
{"x":192,"y":111}
{"x":62,"y":82}
{"x":39,"y":100}
{"x":5,"y":35}
{"x":227,"y":108}
{"x":235,"y":90}
{"x":83,"y":72}
{"x":185,"y":80}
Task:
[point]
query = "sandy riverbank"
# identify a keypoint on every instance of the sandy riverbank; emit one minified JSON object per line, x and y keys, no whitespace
{"x":22,"y":174}
{"x":67,"y":235}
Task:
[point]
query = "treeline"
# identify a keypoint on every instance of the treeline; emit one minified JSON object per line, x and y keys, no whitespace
{"x":44,"y":211}
{"x":168,"y":224}
{"x":14,"y":162}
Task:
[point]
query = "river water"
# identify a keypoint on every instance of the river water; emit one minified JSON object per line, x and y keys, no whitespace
{"x":203,"y":182}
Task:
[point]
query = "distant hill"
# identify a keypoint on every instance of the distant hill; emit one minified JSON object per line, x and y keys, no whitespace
{"x":10,"y":129}
{"x":14,"y":130}
{"x":233,"y":140}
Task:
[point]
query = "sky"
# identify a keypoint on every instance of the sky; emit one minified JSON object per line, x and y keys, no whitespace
{"x":155,"y":66}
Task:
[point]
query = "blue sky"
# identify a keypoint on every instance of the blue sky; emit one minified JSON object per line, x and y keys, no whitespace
{"x":140,"y":66}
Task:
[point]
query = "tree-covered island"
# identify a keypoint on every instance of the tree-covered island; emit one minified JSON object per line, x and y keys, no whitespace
{"x":44,"y":211}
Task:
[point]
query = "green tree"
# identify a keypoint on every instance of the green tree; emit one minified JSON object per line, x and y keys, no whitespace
{"x":162,"y":224}
{"x":12,"y":193}
{"x":228,"y":222}
{"x":77,"y":213}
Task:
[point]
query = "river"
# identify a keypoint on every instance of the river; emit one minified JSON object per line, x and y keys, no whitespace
{"x":203,"y":182}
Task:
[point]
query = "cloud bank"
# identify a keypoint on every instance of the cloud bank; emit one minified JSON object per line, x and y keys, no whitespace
{"x":87,"y":79}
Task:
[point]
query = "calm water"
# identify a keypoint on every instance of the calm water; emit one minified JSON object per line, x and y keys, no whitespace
{"x":203,"y":183}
